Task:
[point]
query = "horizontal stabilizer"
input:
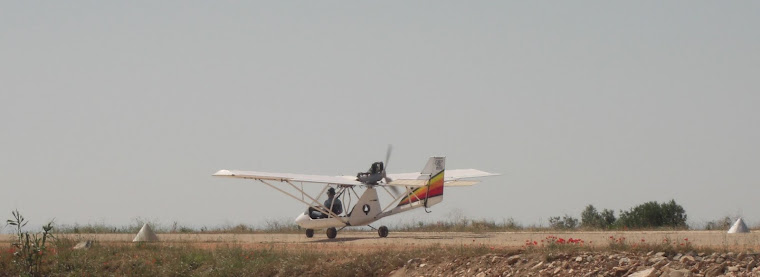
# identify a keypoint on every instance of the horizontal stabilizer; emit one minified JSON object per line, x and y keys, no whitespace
{"x":419,"y":183}
{"x":453,"y":178}
{"x":460,"y":183}
{"x":408,"y":182}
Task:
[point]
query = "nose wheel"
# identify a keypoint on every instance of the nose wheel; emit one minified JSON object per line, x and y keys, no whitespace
{"x":309,"y":233}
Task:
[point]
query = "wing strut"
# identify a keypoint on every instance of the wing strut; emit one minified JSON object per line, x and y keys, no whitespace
{"x":396,"y":197}
{"x":299,"y":200}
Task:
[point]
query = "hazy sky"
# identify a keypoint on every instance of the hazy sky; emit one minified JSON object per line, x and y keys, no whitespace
{"x":111,"y":111}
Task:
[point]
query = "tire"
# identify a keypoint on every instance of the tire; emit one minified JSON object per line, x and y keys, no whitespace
{"x":382,"y":231}
{"x":309,"y":233}
{"x":332,"y":233}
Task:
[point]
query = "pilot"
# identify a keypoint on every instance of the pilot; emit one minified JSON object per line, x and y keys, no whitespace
{"x":337,"y":207}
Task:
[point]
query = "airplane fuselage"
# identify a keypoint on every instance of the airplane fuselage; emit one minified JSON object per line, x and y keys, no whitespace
{"x":366,"y":211}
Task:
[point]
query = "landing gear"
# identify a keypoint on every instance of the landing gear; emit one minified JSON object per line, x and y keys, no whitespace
{"x":332,"y":233}
{"x":309,"y":233}
{"x":382,"y":231}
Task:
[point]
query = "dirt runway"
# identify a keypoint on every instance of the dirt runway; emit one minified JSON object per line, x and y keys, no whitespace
{"x":370,"y":240}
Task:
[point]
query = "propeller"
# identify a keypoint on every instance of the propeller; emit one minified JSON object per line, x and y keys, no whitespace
{"x":387,"y":179}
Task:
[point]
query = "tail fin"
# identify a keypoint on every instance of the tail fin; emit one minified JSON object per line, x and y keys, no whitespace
{"x":432,"y":193}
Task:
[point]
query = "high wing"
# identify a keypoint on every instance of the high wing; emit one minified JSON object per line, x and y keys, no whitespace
{"x":283,"y":177}
{"x":451,"y":177}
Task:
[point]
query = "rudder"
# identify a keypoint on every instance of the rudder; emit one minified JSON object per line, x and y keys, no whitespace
{"x":431,"y":193}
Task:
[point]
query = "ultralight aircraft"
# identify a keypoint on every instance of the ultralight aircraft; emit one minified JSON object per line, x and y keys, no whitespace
{"x":421,"y":190}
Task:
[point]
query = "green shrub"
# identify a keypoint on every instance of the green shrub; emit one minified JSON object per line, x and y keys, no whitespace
{"x":720,"y":224}
{"x":567,"y":222}
{"x":652,"y":215}
{"x":29,"y":249}
{"x":592,"y":219}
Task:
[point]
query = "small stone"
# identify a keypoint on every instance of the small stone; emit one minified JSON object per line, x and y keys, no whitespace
{"x":679,"y":273}
{"x":592,"y":273}
{"x":660,"y":264}
{"x":642,"y":273}
{"x":422,"y":265}
{"x":579,"y":259}
{"x":720,"y":260}
{"x":715,"y":270}
{"x":677,"y":257}
{"x":624,"y":261}
{"x":741,"y":256}
{"x":686,"y":259}
{"x":660,"y":254}
{"x":733,"y":268}
{"x":513,"y":259}
{"x":83,"y":245}
{"x":751,"y":265}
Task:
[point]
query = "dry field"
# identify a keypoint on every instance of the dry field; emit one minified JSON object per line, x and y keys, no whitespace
{"x":656,"y":253}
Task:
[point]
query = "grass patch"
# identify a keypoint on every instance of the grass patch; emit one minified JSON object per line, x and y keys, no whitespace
{"x":281,"y":225}
{"x":156,"y":259}
{"x":555,"y":244}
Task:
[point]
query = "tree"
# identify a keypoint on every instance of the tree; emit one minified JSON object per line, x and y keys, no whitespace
{"x":673,"y":214}
{"x":651,"y":214}
{"x":590,"y":218}
{"x":567,"y":222}
{"x":721,"y":224}
{"x":608,"y":216}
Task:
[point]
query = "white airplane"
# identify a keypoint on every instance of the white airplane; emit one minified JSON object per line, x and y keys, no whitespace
{"x":422,"y":190}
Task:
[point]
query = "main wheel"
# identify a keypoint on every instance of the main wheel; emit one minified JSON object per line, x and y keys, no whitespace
{"x":382,"y":231}
{"x":332,"y":233}
{"x":309,"y":233}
